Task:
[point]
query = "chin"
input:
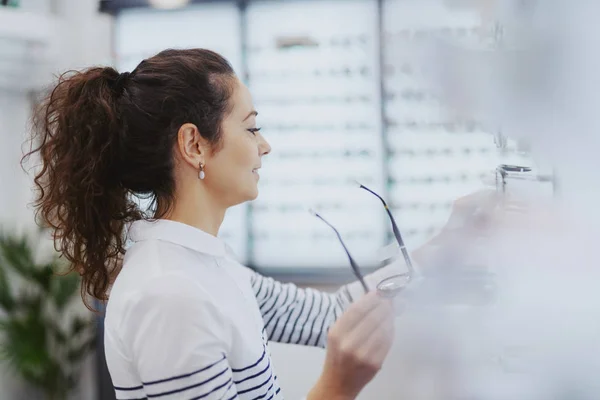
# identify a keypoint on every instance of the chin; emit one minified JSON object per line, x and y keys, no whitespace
{"x":253,"y":195}
{"x":245,"y":197}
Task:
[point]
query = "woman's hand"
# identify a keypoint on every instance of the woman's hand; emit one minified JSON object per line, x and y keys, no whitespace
{"x":358,"y":343}
{"x":484,"y":214}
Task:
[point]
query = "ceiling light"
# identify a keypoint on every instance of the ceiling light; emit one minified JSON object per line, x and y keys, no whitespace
{"x":168,"y":4}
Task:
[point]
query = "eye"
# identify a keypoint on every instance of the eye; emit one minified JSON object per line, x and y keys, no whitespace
{"x":254,"y":131}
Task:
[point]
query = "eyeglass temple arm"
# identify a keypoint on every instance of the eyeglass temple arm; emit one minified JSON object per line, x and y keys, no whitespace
{"x":353,"y":264}
{"x":395,"y":229}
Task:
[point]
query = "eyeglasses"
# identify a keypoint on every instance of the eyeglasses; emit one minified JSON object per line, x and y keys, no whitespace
{"x":362,"y":154}
{"x":315,"y":100}
{"x":391,"y":286}
{"x":447,"y":179}
{"x":348,"y":128}
{"x":315,"y":181}
{"x":308,"y":43}
{"x":430,"y":127}
{"x":362,"y":71}
{"x":417,"y":34}
{"x":440,"y":152}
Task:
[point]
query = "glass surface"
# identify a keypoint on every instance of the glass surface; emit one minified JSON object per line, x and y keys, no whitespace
{"x":390,"y":287}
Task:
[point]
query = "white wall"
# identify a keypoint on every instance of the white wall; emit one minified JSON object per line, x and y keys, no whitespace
{"x":14,"y":109}
{"x":84,"y":40}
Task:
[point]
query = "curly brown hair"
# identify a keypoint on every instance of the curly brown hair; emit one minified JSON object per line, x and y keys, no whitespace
{"x":105,"y":138}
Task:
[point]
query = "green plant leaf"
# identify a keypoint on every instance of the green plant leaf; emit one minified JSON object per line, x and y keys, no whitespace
{"x":32,"y":342}
{"x":63,"y":288}
{"x":24,"y":347}
{"x":43,"y":276}
{"x":6,"y":296}
{"x":79,"y":324}
{"x":57,"y":332}
{"x":77,"y":354}
{"x":18,"y":255}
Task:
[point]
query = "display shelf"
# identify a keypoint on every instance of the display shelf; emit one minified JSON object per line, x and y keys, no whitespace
{"x":27,"y":27}
{"x":316,"y":83}
{"x":339,"y":99}
{"x":26,"y":43}
{"x":433,"y":157}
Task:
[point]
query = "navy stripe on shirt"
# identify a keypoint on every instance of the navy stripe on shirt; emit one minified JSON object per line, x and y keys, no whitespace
{"x":257,"y":386}
{"x":184,"y":375}
{"x":215,"y":389}
{"x":128,"y":388}
{"x":255,"y":375}
{"x":212,"y":378}
{"x":253,"y":365}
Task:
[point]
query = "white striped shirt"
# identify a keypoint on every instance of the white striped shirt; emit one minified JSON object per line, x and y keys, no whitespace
{"x":185,"y":320}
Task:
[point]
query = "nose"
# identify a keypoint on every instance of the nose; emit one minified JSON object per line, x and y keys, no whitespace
{"x":264,"y":147}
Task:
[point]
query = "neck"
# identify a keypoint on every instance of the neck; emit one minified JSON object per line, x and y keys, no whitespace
{"x":199,"y":210}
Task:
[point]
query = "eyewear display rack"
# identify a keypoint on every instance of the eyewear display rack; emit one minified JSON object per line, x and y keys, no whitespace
{"x":339,"y":99}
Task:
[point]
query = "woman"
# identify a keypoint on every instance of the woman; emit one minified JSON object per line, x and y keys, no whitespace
{"x":184,"y":319}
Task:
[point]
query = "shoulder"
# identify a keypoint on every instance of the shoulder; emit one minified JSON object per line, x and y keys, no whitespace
{"x":235,"y":262}
{"x":169,"y":298}
{"x":148,"y":263}
{"x":170,"y":291}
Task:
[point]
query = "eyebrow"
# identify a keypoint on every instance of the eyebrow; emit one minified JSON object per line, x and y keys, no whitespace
{"x":251,"y":114}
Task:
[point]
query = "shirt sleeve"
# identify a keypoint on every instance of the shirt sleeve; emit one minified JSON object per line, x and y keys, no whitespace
{"x":295,"y":315}
{"x":303,"y":316}
{"x":179,"y":343}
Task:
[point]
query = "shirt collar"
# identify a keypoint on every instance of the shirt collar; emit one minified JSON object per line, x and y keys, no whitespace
{"x":177,"y":233}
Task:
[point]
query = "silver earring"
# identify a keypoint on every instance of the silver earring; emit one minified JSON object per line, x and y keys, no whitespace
{"x":202,"y":174}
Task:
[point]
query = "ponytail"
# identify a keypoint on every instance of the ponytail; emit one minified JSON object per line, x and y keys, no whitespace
{"x":77,"y":130}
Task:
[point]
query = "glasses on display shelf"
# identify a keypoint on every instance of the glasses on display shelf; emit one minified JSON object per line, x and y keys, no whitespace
{"x":409,"y":95}
{"x":312,"y":181}
{"x":346,"y":71}
{"x":299,"y":207}
{"x":350,"y":41}
{"x":303,"y":236}
{"x":425,"y":33}
{"x":459,"y":178}
{"x":444,"y":152}
{"x":404,"y":68}
{"x":414,"y":206}
{"x":349,"y":127}
{"x":445,"y":127}
{"x":337,"y":42}
{"x":357,"y":154}
{"x":314,"y":100}
{"x":421,"y":231}
{"x":393,"y":285}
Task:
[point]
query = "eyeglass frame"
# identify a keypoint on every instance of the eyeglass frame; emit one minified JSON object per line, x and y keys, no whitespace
{"x":393,"y":285}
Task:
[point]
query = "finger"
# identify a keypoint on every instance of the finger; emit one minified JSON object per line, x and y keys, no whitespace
{"x":358,"y":310}
{"x":378,"y":345}
{"x":381,"y":348}
{"x":477,"y":198}
{"x":372,"y":322}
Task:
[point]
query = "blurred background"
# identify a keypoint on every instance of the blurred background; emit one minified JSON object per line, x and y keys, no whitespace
{"x":341,"y":96}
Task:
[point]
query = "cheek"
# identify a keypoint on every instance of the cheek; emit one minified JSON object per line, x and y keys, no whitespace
{"x":243,"y":152}
{"x":234,"y":160}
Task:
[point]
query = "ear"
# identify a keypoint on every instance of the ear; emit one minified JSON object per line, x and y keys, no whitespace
{"x":192,"y":147}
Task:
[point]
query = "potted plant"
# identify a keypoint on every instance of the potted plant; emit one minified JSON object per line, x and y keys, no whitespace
{"x":41,"y":339}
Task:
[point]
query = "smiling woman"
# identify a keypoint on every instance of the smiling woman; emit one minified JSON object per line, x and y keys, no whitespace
{"x":184,"y":318}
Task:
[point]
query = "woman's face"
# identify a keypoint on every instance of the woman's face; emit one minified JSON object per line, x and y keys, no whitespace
{"x":232,"y":171}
